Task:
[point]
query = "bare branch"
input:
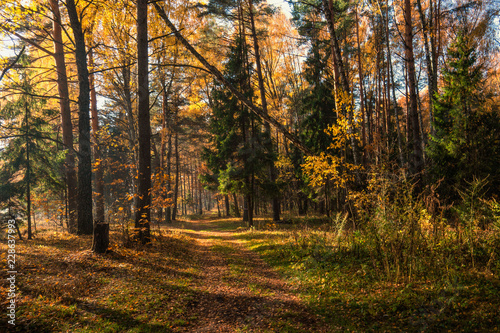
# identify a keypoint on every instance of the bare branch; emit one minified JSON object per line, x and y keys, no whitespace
{"x":13,"y":63}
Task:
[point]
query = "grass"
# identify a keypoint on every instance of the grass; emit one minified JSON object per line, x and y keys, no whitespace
{"x":65,"y":288}
{"x":348,"y":285}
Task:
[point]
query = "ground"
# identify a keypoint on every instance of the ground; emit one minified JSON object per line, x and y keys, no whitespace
{"x":196,"y":276}
{"x":208,"y":274}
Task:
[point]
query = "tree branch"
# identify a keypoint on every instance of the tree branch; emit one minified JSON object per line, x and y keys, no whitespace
{"x":258,"y":111}
{"x":13,"y":63}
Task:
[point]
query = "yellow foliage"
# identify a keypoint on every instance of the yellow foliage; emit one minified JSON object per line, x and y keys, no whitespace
{"x":333,"y":166}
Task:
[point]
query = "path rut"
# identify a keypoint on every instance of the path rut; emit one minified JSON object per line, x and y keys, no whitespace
{"x":237,"y":291}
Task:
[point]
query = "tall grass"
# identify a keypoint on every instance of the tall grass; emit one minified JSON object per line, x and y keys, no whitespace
{"x":410,"y":260}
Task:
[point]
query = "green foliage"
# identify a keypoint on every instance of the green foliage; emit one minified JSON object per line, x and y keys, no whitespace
{"x":402,"y":268}
{"x":318,"y":101}
{"x":24,"y":124}
{"x":238,"y":142}
{"x":467,"y":135}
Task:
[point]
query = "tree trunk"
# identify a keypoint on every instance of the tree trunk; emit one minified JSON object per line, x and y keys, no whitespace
{"x":165,"y":157}
{"x":393,"y":88}
{"x":143,"y":211}
{"x":262,"y":89}
{"x":100,"y":242}
{"x":337,"y":58}
{"x":200,"y":197}
{"x":183,"y":195}
{"x":67,"y":125}
{"x":218,"y":206}
{"x":99,"y":174}
{"x":226,"y":203}
{"x":428,"y":63}
{"x":85,"y":220}
{"x":168,"y":209}
{"x":416,"y":140}
{"x":28,"y":172}
{"x":236,"y":205}
{"x":176,"y":187}
{"x":336,"y":54}
{"x":361,"y":90}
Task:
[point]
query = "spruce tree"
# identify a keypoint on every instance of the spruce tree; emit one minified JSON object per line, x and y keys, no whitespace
{"x":237,"y":156}
{"x":465,"y":143}
{"x":30,"y":158}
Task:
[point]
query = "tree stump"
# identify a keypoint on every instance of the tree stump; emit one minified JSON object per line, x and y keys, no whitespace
{"x":100,"y":241}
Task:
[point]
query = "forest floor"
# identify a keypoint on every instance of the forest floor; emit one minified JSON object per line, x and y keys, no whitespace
{"x":215,"y":275}
{"x":196,"y":276}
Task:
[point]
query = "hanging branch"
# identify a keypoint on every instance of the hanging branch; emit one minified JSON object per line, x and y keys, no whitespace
{"x":215,"y":72}
{"x":13,"y":63}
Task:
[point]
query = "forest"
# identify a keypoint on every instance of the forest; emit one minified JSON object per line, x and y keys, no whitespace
{"x":250,"y":165}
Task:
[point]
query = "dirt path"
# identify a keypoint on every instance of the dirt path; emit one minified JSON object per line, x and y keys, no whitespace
{"x":238,"y":291}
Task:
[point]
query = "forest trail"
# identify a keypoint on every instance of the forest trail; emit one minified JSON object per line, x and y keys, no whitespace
{"x":236,"y":290}
{"x":196,"y":276}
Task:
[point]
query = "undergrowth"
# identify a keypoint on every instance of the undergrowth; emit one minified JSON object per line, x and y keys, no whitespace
{"x":405,"y":267}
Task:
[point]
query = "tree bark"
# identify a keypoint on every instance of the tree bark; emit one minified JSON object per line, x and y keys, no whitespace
{"x":99,"y":174}
{"x":164,"y":156}
{"x":236,"y":205}
{"x":176,"y":186}
{"x":67,"y":125}
{"x":339,"y":63}
{"x":416,"y":140}
{"x":361,"y":89}
{"x":272,"y":169}
{"x":393,"y":88}
{"x":428,"y":62}
{"x":200,"y":195}
{"x":85,"y":221}
{"x":100,"y":242}
{"x":143,"y":211}
{"x":227,"y":206}
{"x":28,"y":172}
{"x":337,"y":55}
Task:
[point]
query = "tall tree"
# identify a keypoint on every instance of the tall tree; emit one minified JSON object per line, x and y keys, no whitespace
{"x":215,"y":72}
{"x":85,"y":220}
{"x":100,"y":240}
{"x":263,"y":99}
{"x":67,"y":125}
{"x":30,"y":157}
{"x":417,"y":158}
{"x":143,"y":211}
{"x":465,"y":143}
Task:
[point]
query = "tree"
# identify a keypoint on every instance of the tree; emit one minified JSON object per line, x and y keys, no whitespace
{"x":237,"y":141}
{"x":467,"y":134}
{"x":65,"y":107}
{"x":417,"y":159}
{"x":30,"y":157}
{"x":215,"y":72}
{"x":85,"y":220}
{"x":263,"y":99}
{"x":143,"y":211}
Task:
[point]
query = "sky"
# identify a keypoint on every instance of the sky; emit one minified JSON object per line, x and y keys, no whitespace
{"x":284,"y":6}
